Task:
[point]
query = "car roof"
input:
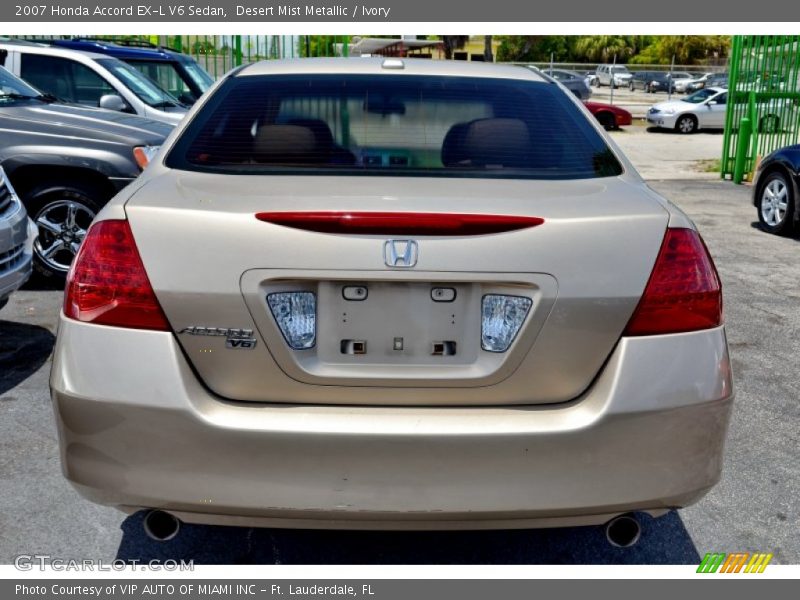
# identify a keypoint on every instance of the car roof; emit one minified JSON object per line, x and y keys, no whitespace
{"x":117,"y":50}
{"x":410,"y":66}
{"x":29,"y":48}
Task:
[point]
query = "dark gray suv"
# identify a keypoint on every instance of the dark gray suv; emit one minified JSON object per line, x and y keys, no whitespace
{"x":66,"y":161}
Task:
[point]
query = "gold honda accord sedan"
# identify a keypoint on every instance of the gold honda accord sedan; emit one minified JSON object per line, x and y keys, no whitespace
{"x":391,"y":294}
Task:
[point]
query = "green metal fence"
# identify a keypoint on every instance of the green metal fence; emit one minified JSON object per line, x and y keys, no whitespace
{"x":763,"y":111}
{"x":220,"y":53}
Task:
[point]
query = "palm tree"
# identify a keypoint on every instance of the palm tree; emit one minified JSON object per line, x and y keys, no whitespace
{"x":603,"y":48}
{"x":487,"y":49}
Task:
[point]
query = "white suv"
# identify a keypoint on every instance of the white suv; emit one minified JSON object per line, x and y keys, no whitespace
{"x":91,"y":79}
{"x":612,"y":75}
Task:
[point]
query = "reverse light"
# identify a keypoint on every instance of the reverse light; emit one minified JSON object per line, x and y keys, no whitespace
{"x":501,"y":319}
{"x":144,"y":154}
{"x":108,"y":285}
{"x":296,"y":316}
{"x":684,"y":291}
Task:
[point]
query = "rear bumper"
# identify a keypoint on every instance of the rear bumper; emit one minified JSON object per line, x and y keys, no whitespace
{"x":137,"y":430}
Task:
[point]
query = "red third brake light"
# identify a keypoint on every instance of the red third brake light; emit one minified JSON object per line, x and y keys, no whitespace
{"x":107,"y":284}
{"x":399,"y":223}
{"x":683,"y":293}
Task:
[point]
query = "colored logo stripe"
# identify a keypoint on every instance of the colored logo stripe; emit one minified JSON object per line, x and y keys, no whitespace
{"x":759,"y":561}
{"x":711,"y":562}
{"x":735,"y":562}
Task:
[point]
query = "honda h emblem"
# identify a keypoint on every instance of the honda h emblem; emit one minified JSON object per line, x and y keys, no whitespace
{"x":400,"y":253}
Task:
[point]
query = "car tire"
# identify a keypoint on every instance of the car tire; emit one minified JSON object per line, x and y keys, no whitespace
{"x":769,"y":124}
{"x":776,"y":203}
{"x":607,"y":120}
{"x":3,"y":302}
{"x":686,"y":124}
{"x":62,"y":213}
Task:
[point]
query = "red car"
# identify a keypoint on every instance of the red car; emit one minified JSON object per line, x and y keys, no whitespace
{"x":610,"y":117}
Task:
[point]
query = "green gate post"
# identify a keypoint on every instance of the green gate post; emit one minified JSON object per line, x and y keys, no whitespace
{"x":733,"y":78}
{"x":745,"y":140}
{"x":237,"y":50}
{"x":742,"y":149}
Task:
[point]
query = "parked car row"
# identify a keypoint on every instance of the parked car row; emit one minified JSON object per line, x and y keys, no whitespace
{"x":79,"y":120}
{"x":175,"y":72}
{"x":656,"y":81}
{"x":65,"y":161}
{"x":652,"y":81}
{"x":609,"y":116}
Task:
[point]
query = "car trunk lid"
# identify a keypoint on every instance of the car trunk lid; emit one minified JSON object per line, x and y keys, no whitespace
{"x":581,"y":268}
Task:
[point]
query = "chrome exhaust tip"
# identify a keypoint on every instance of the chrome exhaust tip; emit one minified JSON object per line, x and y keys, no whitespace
{"x":161,"y":526}
{"x":623,"y":531}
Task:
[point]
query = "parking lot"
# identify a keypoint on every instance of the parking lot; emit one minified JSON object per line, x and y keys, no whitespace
{"x":756,"y":507}
{"x":636,"y":102}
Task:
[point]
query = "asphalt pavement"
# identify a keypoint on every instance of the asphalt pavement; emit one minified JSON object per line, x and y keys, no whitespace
{"x":756,"y":506}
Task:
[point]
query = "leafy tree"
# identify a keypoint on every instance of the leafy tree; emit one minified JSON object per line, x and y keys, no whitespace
{"x":320,"y":45}
{"x":687,"y":49}
{"x":603,"y":48}
{"x":536,"y":48}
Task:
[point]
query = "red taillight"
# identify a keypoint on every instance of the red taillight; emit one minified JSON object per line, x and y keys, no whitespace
{"x":107,"y":284}
{"x":400,"y":223}
{"x":684,"y":292}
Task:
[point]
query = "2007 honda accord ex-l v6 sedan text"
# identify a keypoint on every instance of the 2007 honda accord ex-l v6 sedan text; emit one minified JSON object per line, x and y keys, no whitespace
{"x":385,"y":293}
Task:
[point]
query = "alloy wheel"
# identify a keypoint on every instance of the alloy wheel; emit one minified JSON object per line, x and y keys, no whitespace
{"x":62,"y":226}
{"x":774,"y":202}
{"x":686,"y":125}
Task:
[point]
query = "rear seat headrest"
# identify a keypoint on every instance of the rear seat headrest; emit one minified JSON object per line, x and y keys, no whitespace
{"x":488,"y":143}
{"x":286,"y":144}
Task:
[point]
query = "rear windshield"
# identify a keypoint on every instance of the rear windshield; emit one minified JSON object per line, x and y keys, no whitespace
{"x":394,"y":125}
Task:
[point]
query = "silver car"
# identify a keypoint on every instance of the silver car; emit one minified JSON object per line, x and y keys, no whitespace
{"x":391,"y":294}
{"x":705,"y":109}
{"x":90,"y":79}
{"x":17,"y":234}
{"x":613,"y":76}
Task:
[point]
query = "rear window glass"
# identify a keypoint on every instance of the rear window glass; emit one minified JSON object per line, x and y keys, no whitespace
{"x":394,"y":125}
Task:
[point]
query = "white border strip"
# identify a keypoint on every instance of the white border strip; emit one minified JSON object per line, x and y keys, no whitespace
{"x":392,"y":28}
{"x":364,"y":572}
